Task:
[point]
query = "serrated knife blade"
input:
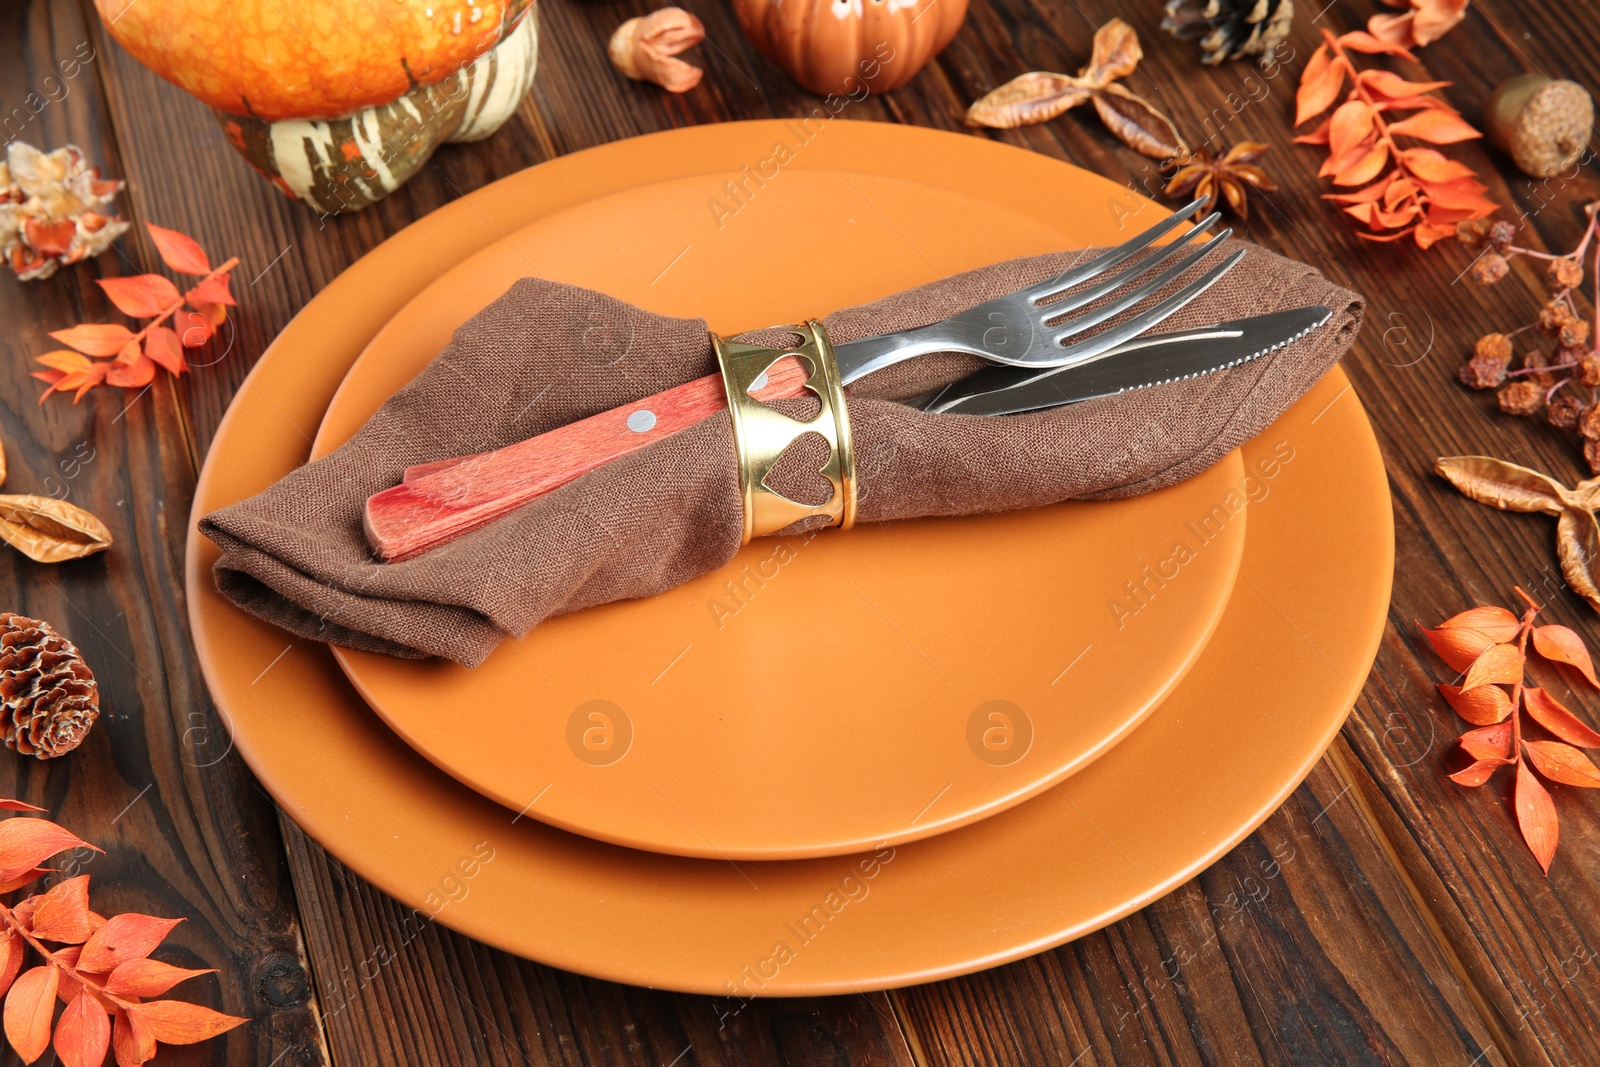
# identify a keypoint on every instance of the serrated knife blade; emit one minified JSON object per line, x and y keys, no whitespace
{"x":1138,"y":364}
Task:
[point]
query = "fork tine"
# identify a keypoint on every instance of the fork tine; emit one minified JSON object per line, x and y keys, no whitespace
{"x":1113,"y":256}
{"x":1102,"y":343}
{"x":1129,"y":297}
{"x":1149,"y":263}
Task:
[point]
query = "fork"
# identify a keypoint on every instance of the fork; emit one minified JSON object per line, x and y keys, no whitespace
{"x":439,"y":501}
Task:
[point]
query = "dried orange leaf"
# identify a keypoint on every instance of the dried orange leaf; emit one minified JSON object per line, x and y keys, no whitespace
{"x":1459,"y":648}
{"x":1488,"y":742}
{"x":1436,"y":126}
{"x":132,"y":1041}
{"x":1536,"y":815}
{"x":1319,"y":85}
{"x":62,"y":913}
{"x":1139,"y":125}
{"x":1026,"y":100}
{"x":12,"y":952}
{"x":180,"y":252}
{"x":1116,"y":54}
{"x":83,"y":1034}
{"x":1564,"y":646}
{"x":50,"y":531}
{"x":123,"y":938}
{"x":144,"y":296}
{"x":29,"y":1007}
{"x":95,"y":339}
{"x":1479,"y":772}
{"x":24,"y":843}
{"x":1350,"y":126}
{"x":136,"y":375}
{"x":1498,"y":624}
{"x":1482,"y":706}
{"x":162,"y":345}
{"x":1563,"y":763}
{"x":1498,"y":665}
{"x":147,"y":978}
{"x":179,"y":1023}
{"x":1550,"y":713}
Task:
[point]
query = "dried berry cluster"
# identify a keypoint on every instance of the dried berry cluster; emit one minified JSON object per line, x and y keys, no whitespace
{"x":1560,"y":381}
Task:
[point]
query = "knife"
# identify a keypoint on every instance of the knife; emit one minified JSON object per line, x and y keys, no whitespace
{"x":440,"y":501}
{"x":1154,"y":359}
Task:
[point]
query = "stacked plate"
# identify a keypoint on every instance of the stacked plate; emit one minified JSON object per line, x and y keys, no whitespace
{"x":843,"y":762}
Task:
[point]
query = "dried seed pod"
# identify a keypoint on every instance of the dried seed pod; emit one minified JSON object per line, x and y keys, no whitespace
{"x":1493,"y":346}
{"x":1472,"y":232}
{"x":1564,"y":273}
{"x":47,"y":693}
{"x":1564,"y":412}
{"x":646,"y":48}
{"x":1521,"y":398}
{"x":1544,"y":124}
{"x":1588,"y":372}
{"x":1490,"y":268}
{"x":1589,"y":422}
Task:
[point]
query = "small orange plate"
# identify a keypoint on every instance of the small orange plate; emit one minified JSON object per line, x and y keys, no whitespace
{"x":1268,"y":693}
{"x":815,"y":696}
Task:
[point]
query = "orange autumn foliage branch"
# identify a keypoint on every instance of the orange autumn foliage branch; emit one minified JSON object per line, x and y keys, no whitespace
{"x":102,"y":970}
{"x":1490,"y":647}
{"x":1405,"y":189}
{"x":112,"y":354}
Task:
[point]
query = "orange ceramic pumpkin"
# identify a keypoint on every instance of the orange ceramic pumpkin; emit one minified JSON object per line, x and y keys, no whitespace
{"x":850,"y":47}
{"x":338,"y":101}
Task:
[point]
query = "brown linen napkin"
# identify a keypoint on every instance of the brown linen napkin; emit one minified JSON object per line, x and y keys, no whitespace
{"x":545,"y":354}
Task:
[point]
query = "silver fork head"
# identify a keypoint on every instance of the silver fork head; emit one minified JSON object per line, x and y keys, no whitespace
{"x":1015,"y":329}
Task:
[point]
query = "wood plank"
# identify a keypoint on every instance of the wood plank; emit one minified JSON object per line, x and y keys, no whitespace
{"x":1345,"y":957}
{"x":186,"y":834}
{"x":1301,"y":945}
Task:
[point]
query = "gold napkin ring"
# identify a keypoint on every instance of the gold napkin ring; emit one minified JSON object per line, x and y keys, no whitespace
{"x":761,"y":433}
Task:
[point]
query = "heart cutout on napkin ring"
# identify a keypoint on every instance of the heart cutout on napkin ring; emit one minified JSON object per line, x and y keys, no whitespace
{"x":761,"y":433}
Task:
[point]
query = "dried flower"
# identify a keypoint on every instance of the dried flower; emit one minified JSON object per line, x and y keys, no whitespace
{"x":1588,"y":370}
{"x":101,"y":967}
{"x":646,"y":48}
{"x":54,"y":210}
{"x":1589,"y":422}
{"x":1490,"y":647}
{"x":147,"y":296}
{"x":1233,"y":174}
{"x":1040,"y":96}
{"x":1422,"y":193}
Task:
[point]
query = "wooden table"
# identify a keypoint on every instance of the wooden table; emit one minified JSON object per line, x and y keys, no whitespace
{"x":1412,"y":925}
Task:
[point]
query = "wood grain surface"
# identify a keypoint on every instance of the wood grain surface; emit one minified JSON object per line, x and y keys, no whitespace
{"x":1383,"y":915}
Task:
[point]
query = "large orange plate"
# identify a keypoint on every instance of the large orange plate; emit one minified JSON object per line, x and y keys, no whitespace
{"x":813,"y":697}
{"x":1243,"y":728}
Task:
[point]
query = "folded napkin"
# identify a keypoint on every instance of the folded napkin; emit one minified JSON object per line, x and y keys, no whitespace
{"x":545,"y":354}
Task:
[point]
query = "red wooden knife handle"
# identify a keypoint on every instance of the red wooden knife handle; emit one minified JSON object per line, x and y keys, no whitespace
{"x":437,"y":502}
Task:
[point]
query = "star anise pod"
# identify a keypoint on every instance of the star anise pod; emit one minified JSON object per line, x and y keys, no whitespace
{"x":1232,"y":174}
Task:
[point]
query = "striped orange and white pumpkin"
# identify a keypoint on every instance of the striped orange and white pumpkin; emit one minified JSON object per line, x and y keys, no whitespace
{"x":339,"y":103}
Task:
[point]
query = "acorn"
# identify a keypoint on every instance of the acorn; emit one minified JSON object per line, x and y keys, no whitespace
{"x":1543,"y":123}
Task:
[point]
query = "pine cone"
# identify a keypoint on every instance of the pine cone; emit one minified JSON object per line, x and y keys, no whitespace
{"x":48,"y":695}
{"x":1229,"y":29}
